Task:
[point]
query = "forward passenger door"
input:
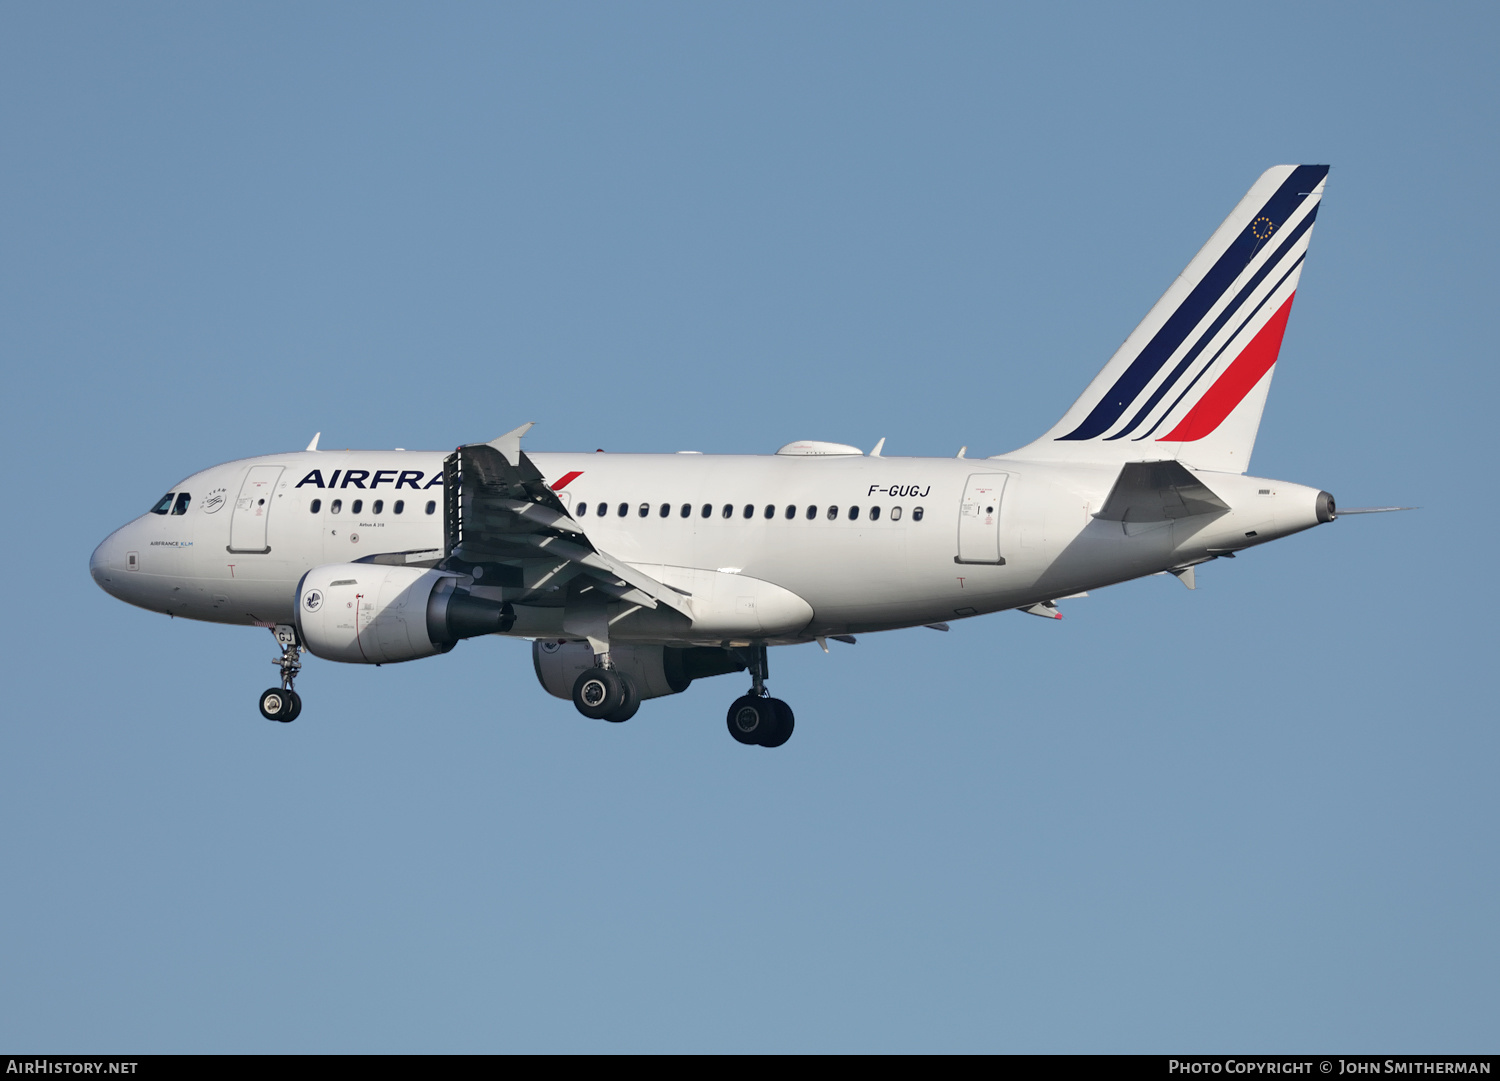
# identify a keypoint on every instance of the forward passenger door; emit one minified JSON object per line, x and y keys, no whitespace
{"x":247,"y":528}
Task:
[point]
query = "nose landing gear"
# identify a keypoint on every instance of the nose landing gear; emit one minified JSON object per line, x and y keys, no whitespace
{"x":757,"y":719}
{"x":282,"y":703}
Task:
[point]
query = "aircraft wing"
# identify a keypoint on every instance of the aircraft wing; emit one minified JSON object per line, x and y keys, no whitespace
{"x":505,"y":526}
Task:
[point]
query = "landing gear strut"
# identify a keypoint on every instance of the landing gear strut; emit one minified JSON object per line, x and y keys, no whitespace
{"x":756,"y":718}
{"x":282,"y":703}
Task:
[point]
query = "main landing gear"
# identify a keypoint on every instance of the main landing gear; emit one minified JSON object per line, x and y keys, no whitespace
{"x":605,"y":694}
{"x":756,"y":718}
{"x":282,"y":703}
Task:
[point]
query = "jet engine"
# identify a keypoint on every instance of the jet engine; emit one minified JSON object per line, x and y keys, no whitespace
{"x":655,"y":670}
{"x":367,"y":613}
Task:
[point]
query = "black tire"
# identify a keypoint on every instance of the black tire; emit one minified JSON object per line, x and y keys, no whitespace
{"x":296,"y":710}
{"x":599,"y":692}
{"x":275,"y":704}
{"x":786,"y":722}
{"x":752,"y":719}
{"x":629,"y":706}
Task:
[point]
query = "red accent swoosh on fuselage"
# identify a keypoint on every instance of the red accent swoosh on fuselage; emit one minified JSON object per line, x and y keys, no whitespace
{"x":566,"y":479}
{"x":1236,"y":382}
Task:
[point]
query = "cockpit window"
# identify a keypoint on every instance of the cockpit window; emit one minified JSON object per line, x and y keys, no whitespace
{"x":164,"y":506}
{"x":181,"y":506}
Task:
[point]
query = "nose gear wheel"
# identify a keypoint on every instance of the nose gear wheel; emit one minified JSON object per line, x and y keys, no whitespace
{"x":279,"y":704}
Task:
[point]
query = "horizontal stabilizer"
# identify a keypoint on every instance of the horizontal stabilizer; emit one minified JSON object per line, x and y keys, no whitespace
{"x":1158,"y":492}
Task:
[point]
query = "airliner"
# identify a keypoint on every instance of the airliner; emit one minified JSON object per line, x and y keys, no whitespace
{"x":635,"y":574}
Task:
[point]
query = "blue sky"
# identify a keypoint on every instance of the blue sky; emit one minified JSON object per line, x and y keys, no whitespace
{"x":1260,"y":816}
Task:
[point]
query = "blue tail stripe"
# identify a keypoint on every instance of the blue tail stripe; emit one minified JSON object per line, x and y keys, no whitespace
{"x":1191,"y":311}
{"x":1215,"y":359}
{"x":1208,"y":335}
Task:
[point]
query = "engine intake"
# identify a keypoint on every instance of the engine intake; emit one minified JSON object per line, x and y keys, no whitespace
{"x":366,"y":613}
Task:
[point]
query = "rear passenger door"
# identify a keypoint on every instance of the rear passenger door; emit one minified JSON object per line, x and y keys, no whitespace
{"x":979,"y":519}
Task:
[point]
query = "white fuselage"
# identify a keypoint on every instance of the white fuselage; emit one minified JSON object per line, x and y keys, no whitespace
{"x":252,"y":528}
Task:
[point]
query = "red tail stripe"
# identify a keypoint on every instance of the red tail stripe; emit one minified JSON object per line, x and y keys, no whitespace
{"x":1236,"y":382}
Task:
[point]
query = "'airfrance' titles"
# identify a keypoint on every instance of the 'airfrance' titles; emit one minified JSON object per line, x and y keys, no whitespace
{"x":355,"y":478}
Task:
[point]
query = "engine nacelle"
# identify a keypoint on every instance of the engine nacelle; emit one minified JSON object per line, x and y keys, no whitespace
{"x":366,"y":613}
{"x":655,"y":670}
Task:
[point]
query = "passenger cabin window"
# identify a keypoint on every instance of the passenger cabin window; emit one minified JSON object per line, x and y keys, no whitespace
{"x":399,"y":506}
{"x":749,"y":510}
{"x":833,"y":514}
{"x":431,"y":506}
{"x":181,"y":506}
{"x":645,"y":509}
{"x":687,"y":510}
{"x":163,"y":506}
{"x":336,"y":506}
{"x":378,"y":506}
{"x":666,"y":510}
{"x":357,"y":506}
{"x":895,"y":514}
{"x":791,"y":512}
{"x":728,"y":510}
{"x":916,"y":514}
{"x":770,"y":511}
{"x":624,"y":509}
{"x":812,"y":512}
{"x":853,"y":513}
{"x":317,"y":505}
{"x":874,"y":513}
{"x":582,"y":511}
{"x":708,"y":510}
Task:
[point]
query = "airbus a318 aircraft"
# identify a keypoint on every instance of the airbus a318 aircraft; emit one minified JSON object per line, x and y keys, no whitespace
{"x":635,"y":574}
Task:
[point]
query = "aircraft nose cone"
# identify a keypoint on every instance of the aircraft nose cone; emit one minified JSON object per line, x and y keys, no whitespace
{"x":104,"y":563}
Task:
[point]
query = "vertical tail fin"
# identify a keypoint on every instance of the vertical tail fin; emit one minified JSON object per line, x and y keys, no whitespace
{"x":1191,"y":380}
